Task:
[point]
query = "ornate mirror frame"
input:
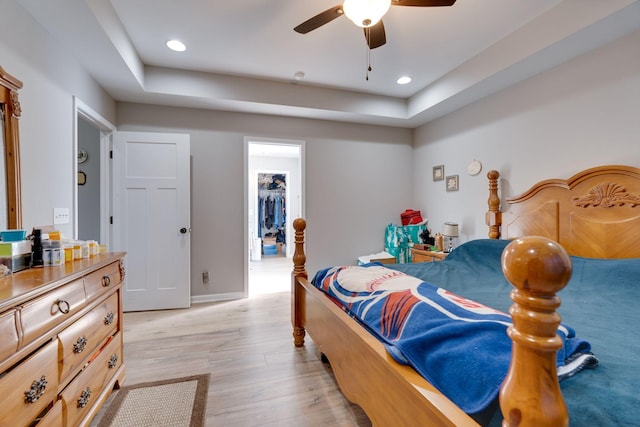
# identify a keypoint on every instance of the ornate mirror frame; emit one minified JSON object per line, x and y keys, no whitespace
{"x":9,"y":86}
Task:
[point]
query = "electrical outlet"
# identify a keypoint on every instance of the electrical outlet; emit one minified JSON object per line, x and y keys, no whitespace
{"x":61,"y":215}
{"x":205,"y":277}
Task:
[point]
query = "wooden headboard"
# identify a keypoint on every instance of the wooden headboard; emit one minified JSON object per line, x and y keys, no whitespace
{"x":595,"y":213}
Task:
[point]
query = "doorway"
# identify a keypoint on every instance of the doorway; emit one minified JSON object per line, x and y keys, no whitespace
{"x":274,"y":199}
{"x":89,"y":165}
{"x":92,"y":189}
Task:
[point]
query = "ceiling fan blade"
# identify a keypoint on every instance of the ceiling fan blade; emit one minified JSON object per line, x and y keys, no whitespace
{"x":320,"y":19}
{"x":423,"y":3}
{"x":375,"y":35}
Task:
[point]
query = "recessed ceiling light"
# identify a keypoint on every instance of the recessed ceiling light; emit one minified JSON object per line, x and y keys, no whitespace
{"x":176,"y":45}
{"x":299,"y":75}
{"x":403,"y":80}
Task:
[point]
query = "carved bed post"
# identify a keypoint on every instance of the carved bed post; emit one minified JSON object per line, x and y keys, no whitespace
{"x":299,"y":271}
{"x":530,"y":395}
{"x":494,"y":216}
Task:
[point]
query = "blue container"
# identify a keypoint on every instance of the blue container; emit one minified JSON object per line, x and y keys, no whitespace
{"x":269,"y":249}
{"x":13,"y":235}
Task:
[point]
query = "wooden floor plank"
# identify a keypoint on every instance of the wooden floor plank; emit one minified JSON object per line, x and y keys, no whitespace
{"x":258,"y":377}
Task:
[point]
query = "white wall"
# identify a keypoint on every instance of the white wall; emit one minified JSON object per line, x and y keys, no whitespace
{"x":582,"y":114}
{"x":51,"y":78}
{"x":357,"y":181}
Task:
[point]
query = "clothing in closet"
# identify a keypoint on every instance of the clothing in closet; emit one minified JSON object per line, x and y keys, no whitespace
{"x":272,"y":206}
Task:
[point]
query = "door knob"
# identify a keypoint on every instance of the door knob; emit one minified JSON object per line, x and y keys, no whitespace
{"x":183,"y":230}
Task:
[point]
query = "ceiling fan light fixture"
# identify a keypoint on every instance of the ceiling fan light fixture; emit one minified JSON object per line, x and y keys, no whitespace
{"x":365,"y":13}
{"x":176,"y":45}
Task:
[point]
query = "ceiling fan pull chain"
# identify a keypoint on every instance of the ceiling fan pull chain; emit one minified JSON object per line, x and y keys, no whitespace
{"x":368,"y":30}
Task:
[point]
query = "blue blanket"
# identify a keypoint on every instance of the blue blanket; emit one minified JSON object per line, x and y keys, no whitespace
{"x":458,"y":345}
{"x":601,"y":300}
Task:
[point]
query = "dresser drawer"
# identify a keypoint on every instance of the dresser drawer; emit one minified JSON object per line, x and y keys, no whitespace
{"x":111,"y":357}
{"x":53,"y":417}
{"x":80,"y":340}
{"x":44,"y":313}
{"x":85,"y":390}
{"x":9,"y":334}
{"x":30,"y":387}
{"x":102,"y":280}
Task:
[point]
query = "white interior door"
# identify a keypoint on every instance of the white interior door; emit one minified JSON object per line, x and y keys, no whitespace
{"x":151,"y":218}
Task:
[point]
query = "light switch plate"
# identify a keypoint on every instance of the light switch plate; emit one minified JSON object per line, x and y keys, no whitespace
{"x":61,"y":215}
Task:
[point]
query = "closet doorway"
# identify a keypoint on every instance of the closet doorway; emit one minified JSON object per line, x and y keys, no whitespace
{"x":274,"y":200}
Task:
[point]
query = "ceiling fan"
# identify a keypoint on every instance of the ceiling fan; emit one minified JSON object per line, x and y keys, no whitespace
{"x":366,"y":14}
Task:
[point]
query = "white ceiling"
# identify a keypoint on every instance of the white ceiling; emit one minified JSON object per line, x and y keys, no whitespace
{"x":242,"y":55}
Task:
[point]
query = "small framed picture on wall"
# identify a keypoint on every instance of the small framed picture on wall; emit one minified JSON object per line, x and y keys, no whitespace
{"x":452,"y":183}
{"x":438,"y":173}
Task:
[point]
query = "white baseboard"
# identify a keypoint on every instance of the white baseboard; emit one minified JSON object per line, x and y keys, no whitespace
{"x":197,"y":299}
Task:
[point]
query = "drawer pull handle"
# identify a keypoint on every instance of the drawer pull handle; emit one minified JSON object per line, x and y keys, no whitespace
{"x":113,"y":361}
{"x":80,"y":345}
{"x":84,"y":398}
{"x":36,"y":391}
{"x":108,"y":319}
{"x":106,"y":280}
{"x":63,"y":306}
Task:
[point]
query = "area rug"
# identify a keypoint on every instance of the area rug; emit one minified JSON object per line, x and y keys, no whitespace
{"x":179,"y":402}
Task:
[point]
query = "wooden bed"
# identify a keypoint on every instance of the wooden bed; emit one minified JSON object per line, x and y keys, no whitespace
{"x":595,"y":214}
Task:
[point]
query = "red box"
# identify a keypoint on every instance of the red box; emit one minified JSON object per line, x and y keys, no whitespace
{"x":411,"y":217}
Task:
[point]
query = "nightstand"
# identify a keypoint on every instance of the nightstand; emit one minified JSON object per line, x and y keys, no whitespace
{"x":420,"y":255}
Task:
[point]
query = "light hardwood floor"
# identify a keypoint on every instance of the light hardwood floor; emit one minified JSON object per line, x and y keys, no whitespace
{"x":258,"y":377}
